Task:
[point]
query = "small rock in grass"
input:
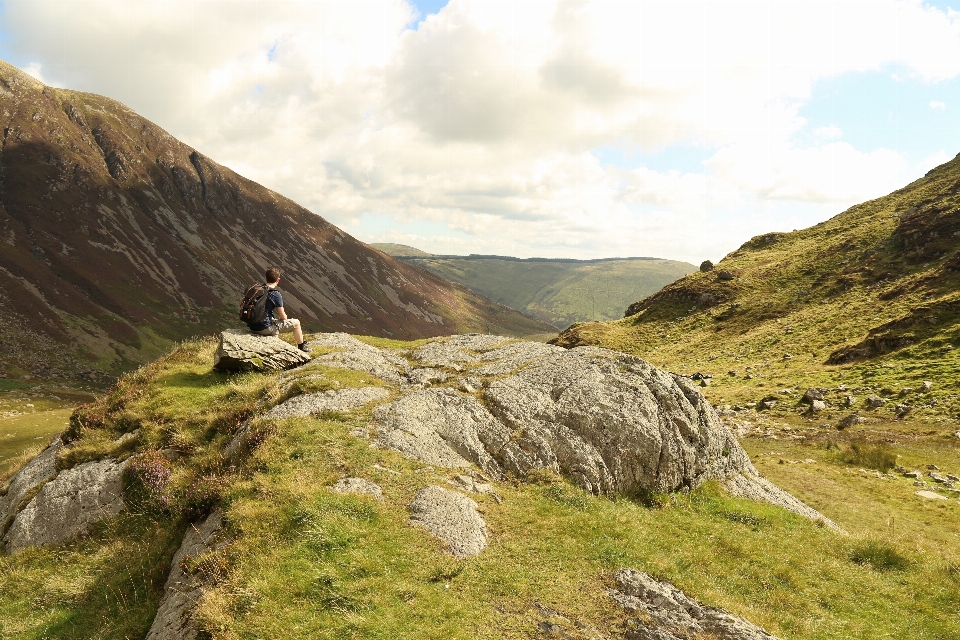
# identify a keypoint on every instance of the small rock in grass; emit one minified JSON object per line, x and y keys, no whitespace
{"x":452,"y":518}
{"x":849,"y":421}
{"x":706,"y":266}
{"x":817,"y":406}
{"x":358,"y":486}
{"x":926,"y":386}
{"x":875,"y":402}
{"x":811,"y":395}
{"x":930,"y":495}
{"x":932,"y":467}
{"x":913,"y":474}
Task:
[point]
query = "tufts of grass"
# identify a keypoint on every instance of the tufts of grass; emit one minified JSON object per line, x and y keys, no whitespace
{"x":879,"y":555}
{"x":877,"y":456}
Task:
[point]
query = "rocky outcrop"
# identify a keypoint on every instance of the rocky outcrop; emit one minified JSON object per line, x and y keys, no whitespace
{"x":33,"y":474}
{"x":174,"y":619}
{"x":69,"y":505}
{"x":610,"y":422}
{"x":243,"y":351}
{"x":314,"y":403}
{"x":443,"y":428}
{"x":450,"y":517}
{"x":666,"y":613}
{"x":359,"y":356}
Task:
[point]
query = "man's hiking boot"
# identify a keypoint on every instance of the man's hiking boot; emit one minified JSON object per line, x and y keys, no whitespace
{"x":303,"y":347}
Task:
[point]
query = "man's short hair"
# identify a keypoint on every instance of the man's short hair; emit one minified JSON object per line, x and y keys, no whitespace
{"x":272,"y":275}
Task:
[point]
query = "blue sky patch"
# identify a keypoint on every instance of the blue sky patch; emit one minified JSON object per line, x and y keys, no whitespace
{"x":892,"y":109}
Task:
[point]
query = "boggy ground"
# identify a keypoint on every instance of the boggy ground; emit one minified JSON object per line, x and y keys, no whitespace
{"x":306,"y":562}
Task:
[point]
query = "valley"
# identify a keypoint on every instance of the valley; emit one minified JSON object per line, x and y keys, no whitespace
{"x":557,"y":291}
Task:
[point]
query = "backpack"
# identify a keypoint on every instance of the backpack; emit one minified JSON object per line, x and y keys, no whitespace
{"x":253,"y":306}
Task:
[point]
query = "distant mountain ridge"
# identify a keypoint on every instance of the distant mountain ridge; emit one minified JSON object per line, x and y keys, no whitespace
{"x":560,"y":291}
{"x":117,"y":240}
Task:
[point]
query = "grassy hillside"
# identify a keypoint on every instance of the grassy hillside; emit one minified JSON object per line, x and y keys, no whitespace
{"x":560,"y":292}
{"x":305,"y":562}
{"x":399,"y":250}
{"x":869,"y":299}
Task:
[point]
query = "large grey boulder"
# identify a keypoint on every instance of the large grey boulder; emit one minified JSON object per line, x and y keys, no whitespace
{"x":243,"y":351}
{"x":174,"y":619}
{"x":610,"y":422}
{"x":452,"y":518}
{"x":37,"y":471}
{"x":69,"y":505}
{"x":667,"y":613}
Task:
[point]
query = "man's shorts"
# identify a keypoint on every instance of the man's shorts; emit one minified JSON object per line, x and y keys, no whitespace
{"x":279,"y":326}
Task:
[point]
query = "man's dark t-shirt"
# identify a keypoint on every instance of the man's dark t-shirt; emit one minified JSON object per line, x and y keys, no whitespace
{"x":274,"y":300}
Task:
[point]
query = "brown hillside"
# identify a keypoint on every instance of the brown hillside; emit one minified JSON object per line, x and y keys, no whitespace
{"x":118,"y":239}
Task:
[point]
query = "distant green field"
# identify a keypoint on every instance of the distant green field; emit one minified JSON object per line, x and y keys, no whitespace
{"x":560,"y":292}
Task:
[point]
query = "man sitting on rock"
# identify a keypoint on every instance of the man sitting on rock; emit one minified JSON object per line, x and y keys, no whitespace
{"x":282,"y":324}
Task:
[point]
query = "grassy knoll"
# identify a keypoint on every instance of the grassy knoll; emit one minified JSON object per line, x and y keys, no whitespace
{"x":304,"y":562}
{"x":560,"y":292}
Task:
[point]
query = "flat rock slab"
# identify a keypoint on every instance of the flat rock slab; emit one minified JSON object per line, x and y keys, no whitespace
{"x":511,"y":357}
{"x":243,"y":351}
{"x":174,"y":619}
{"x":441,"y":427}
{"x":358,"y":486}
{"x":38,"y":470}
{"x":450,"y":517}
{"x":339,"y":400}
{"x":667,"y":613}
{"x":359,"y":356}
{"x":69,"y":505}
{"x":931,"y":495}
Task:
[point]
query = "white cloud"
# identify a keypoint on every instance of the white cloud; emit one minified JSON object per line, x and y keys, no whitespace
{"x":831,"y":132}
{"x":483,"y":118}
{"x":936,"y":104}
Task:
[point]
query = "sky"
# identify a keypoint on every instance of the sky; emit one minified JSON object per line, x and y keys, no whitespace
{"x":567,"y":128}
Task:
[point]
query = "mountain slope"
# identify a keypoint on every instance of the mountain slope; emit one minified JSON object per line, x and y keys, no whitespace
{"x":869,"y":299}
{"x":117,"y":239}
{"x":399,"y":250}
{"x":558,"y":291}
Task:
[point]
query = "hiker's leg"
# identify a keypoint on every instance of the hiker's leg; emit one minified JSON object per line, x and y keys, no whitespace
{"x":291,"y":325}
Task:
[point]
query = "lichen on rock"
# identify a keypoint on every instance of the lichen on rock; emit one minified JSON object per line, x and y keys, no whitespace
{"x":69,"y":505}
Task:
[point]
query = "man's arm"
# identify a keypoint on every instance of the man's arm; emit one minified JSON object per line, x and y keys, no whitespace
{"x":281,"y":314}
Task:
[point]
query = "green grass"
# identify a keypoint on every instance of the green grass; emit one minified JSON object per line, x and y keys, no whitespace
{"x":305,"y":562}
